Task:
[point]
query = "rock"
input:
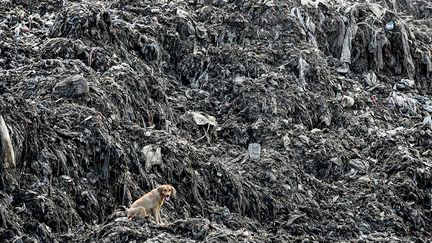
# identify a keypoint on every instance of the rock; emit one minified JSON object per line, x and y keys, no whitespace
{"x":73,"y":87}
{"x":203,"y":119}
{"x":347,"y":101}
{"x":152,"y":155}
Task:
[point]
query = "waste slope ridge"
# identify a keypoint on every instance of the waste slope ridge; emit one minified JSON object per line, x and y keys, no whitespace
{"x":106,"y":100}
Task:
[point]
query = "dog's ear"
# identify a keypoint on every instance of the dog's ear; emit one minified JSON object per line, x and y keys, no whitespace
{"x":173,"y":191}
{"x":160,"y":189}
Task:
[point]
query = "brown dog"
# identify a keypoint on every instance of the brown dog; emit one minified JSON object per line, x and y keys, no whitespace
{"x":151,"y":202}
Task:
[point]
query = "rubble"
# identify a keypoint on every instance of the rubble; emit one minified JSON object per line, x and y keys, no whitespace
{"x":275,"y":120}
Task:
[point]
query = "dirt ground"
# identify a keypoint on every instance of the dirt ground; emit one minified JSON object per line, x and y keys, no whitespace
{"x":275,"y":120}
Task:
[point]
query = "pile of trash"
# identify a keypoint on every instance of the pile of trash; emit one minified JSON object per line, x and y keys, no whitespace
{"x":303,"y":120}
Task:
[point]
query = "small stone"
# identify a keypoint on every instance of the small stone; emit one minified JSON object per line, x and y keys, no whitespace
{"x":74,"y":86}
{"x":347,"y":101}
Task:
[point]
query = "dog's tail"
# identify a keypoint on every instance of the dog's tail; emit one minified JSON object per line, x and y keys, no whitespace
{"x":125,"y":209}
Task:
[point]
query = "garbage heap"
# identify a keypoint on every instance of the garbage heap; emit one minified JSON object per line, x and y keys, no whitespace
{"x":274,"y":120}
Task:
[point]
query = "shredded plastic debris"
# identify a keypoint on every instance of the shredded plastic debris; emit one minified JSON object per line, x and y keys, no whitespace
{"x":276,"y":121}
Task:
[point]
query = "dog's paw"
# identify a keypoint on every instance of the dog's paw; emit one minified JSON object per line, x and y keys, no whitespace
{"x":122,"y":219}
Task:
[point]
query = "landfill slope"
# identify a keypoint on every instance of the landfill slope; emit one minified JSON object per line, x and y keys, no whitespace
{"x":276,"y":121}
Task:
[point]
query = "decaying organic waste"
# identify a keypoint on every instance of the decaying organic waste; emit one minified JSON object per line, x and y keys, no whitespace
{"x":274,"y":120}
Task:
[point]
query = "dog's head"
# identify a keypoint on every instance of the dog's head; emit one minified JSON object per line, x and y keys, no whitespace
{"x":167,"y":191}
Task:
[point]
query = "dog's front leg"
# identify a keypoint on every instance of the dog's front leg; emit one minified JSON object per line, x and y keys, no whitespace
{"x":155,"y":215}
{"x":159,"y":217}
